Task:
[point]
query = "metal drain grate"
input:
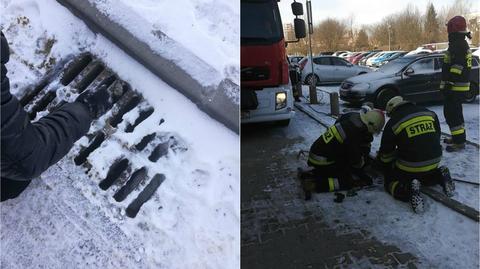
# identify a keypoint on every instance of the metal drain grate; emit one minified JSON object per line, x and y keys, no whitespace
{"x":84,"y":71}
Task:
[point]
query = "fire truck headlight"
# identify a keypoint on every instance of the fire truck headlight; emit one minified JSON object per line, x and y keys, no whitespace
{"x":280,"y":100}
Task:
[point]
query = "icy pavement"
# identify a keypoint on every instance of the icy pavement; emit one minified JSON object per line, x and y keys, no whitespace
{"x":67,"y":221}
{"x":453,"y":237}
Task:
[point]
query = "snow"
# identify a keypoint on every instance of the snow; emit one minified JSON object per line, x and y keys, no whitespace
{"x":193,"y":220}
{"x":441,"y":237}
{"x":188,"y":23}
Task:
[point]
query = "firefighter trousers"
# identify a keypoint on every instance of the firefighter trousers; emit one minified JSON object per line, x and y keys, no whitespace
{"x":334,"y":177}
{"x":397,"y":182}
{"x":453,"y":113}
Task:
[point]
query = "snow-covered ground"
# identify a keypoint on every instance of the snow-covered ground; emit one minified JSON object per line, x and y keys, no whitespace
{"x":190,"y":23}
{"x":63,"y":219}
{"x":446,"y":238}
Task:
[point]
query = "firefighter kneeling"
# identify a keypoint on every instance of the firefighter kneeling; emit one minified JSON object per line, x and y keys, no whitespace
{"x":410,"y":152}
{"x":339,"y":154}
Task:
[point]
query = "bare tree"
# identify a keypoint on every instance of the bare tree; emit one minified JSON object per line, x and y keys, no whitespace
{"x":361,"y":43}
{"x":383,"y":33}
{"x":431,"y":26}
{"x":408,"y":28}
{"x":329,"y":34}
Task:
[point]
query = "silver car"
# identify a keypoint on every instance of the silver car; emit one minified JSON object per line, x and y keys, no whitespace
{"x":329,"y":69}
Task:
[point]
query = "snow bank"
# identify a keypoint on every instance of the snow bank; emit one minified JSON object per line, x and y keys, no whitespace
{"x":214,"y":39}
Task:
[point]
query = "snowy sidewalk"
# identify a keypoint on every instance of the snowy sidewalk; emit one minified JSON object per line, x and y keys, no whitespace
{"x":400,"y":226}
{"x":282,"y":230}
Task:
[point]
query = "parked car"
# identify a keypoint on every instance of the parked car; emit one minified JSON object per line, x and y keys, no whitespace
{"x":329,"y":69}
{"x":357,"y":58}
{"x":370,"y":60}
{"x":345,"y":55}
{"x":420,"y":51}
{"x":353,"y":55}
{"x":385,"y":57}
{"x":416,"y":78}
{"x":364,"y":59}
{"x":392,"y":57}
{"x":337,"y":53}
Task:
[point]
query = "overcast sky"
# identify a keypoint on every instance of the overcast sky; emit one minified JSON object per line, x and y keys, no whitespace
{"x":364,"y":11}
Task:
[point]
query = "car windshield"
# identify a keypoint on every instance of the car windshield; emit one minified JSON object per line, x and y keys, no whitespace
{"x":395,"y":65}
{"x":260,"y":22}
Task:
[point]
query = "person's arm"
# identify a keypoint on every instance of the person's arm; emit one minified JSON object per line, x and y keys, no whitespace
{"x":387,"y":152}
{"x":29,"y":149}
{"x":461,"y":62}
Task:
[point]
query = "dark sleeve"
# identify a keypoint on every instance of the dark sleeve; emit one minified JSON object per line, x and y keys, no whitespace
{"x":354,"y":147}
{"x":437,"y":126}
{"x":29,"y":149}
{"x":460,"y":62}
{"x":388,"y":146}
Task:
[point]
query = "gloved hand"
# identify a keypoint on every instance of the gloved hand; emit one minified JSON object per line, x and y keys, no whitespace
{"x":99,"y":100}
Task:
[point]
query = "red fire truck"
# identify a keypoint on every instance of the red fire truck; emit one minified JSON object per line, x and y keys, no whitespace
{"x":266,"y":91}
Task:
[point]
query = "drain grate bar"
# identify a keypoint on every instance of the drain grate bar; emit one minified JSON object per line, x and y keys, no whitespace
{"x":144,"y":114}
{"x":125,"y":104}
{"x":114,"y":173}
{"x":87,"y":76}
{"x":144,"y":142}
{"x":134,"y":207}
{"x":85,"y":152}
{"x":137,"y":177}
{"x":75,"y":68}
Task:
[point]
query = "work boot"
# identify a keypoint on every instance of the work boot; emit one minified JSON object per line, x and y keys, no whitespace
{"x":448,"y":141}
{"x":455,"y":147}
{"x":416,"y":200}
{"x":360,"y":178}
{"x":308,"y":183}
{"x":447,"y":182}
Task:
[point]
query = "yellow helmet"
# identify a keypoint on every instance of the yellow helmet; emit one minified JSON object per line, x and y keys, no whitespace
{"x":393,"y":103}
{"x":373,"y":119}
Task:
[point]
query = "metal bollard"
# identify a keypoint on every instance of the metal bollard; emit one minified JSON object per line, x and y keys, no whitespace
{"x":334,"y":104}
{"x":313,"y":94}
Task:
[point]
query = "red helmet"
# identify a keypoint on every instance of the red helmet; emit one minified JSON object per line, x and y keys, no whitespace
{"x":457,"y":24}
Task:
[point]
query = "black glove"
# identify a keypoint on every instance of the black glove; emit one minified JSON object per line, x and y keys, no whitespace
{"x":99,"y":100}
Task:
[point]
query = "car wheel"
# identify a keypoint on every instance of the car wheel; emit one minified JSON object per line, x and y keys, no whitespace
{"x":308,"y":79}
{"x":283,"y":123}
{"x":471,"y":95}
{"x":383,"y":96}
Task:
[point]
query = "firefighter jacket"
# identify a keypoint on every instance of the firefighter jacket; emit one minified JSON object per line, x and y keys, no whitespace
{"x":457,"y":63}
{"x":411,"y":139}
{"x":343,"y":143}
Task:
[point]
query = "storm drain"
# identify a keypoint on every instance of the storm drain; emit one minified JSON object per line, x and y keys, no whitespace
{"x":78,"y":74}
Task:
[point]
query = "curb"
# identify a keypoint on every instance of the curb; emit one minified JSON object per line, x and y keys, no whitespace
{"x":215,"y":102}
{"x":305,"y":109}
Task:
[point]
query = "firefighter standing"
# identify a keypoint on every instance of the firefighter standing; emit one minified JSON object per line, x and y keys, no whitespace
{"x":457,"y":64}
{"x":410,"y":152}
{"x":341,"y":152}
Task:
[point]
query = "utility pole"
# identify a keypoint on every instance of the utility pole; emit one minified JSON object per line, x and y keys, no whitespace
{"x":313,"y":81}
{"x":389,"y":29}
